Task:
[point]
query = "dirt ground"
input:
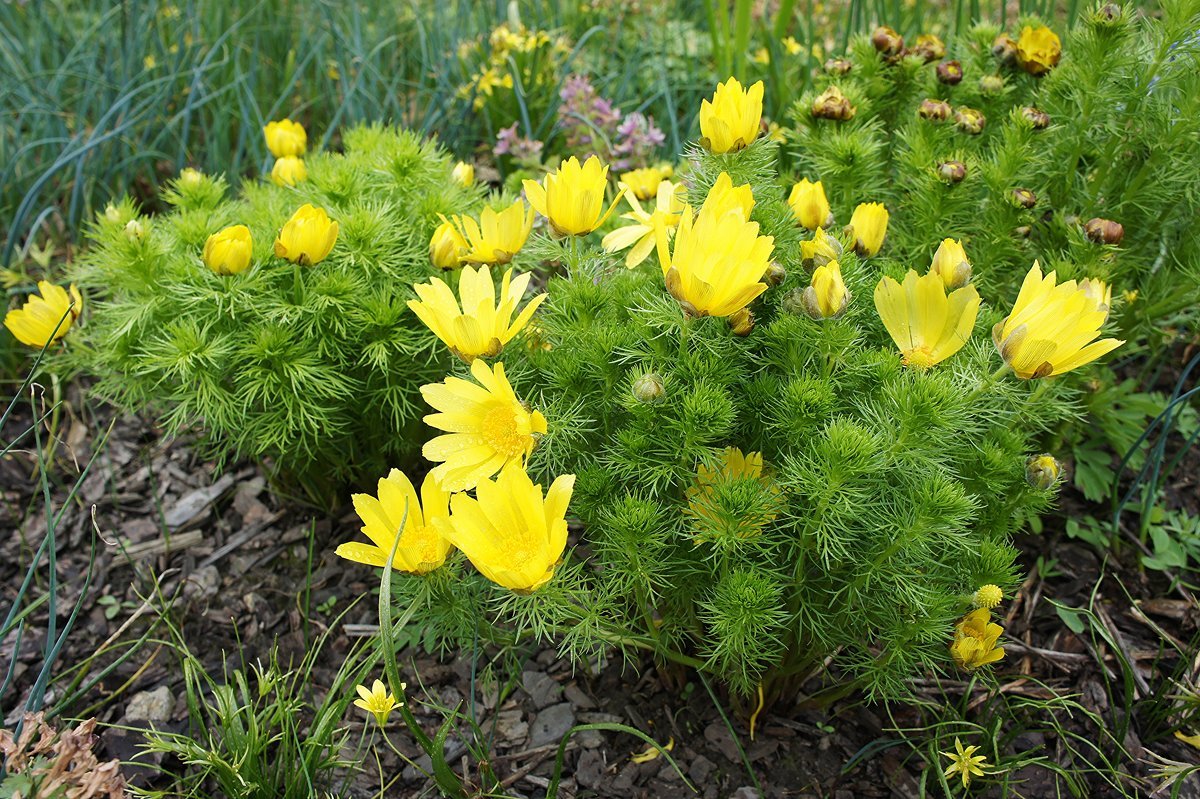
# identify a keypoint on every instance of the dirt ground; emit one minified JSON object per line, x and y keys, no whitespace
{"x":236,"y":559}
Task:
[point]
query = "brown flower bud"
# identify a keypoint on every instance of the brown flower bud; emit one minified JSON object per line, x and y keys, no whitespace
{"x":969,"y":120}
{"x":832,"y":104}
{"x":887,"y":41}
{"x":929,"y":48}
{"x":838,"y":66}
{"x":1104,"y":231}
{"x":1024,"y":198}
{"x":1004,"y":48}
{"x":741,"y":322}
{"x":1039,"y":119}
{"x":1108,"y":13}
{"x":950,"y":73}
{"x":991,"y":84}
{"x":952,"y":171}
{"x":649,"y":388}
{"x":935,"y":110}
{"x":1023,"y":231}
{"x":775,"y":275}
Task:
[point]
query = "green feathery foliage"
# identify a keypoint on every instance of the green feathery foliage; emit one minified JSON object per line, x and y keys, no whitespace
{"x":1122,"y":143}
{"x":884,"y":497}
{"x":316,"y":368}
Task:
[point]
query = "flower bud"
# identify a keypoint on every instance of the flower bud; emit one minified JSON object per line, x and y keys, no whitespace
{"x":1042,"y":472}
{"x":1004,"y":48}
{"x":951,"y":265}
{"x":838,"y":66}
{"x":649,"y":388}
{"x":950,"y":73}
{"x":832,"y":104}
{"x":929,"y":48}
{"x":952,"y":171}
{"x":1038,"y":50}
{"x":809,"y":204}
{"x":288,"y":171}
{"x":134,"y":230}
{"x":775,"y":274}
{"x":463,"y":173}
{"x":741,"y":322}
{"x":887,"y":41}
{"x":446,"y":246}
{"x":308,"y":237}
{"x":1039,"y":119}
{"x":991,"y":84}
{"x":969,"y":120}
{"x":934,"y":110}
{"x":820,"y":250}
{"x":112,"y":213}
{"x":190,"y":178}
{"x":1108,"y":13}
{"x":228,"y":251}
{"x":1104,"y":231}
{"x":1024,"y":198}
{"x":285,"y":137}
{"x":826,"y":297}
{"x":868,"y":225}
{"x":988,"y":596}
{"x":1023,"y":231}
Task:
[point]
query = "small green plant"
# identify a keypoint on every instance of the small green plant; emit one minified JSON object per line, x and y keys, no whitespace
{"x":314,"y":366}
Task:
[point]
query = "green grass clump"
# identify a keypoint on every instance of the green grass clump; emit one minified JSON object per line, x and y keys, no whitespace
{"x":316,"y":368}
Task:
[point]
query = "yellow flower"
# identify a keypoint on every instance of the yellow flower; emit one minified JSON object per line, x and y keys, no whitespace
{"x":988,"y":596}
{"x":288,"y":171}
{"x":704,"y":495}
{"x":809,"y":204}
{"x":868,"y":225}
{"x":951,"y":265}
{"x":149,"y":62}
{"x":572,"y":198}
{"x":761,"y":56}
{"x":731,"y":121}
{"x":1038,"y":49}
{"x":228,"y":251}
{"x":481,"y":327}
{"x":820,"y":250}
{"x":641,"y":236}
{"x":463,"y":173}
{"x":377,"y":701}
{"x":643,"y":183}
{"x":792,"y":46}
{"x":975,"y":638}
{"x":1098,"y":292}
{"x":43,"y":320}
{"x":285,"y":138}
{"x":135,"y":230}
{"x":307,"y":237}
{"x":724,"y":197}
{"x":718,"y":262}
{"x":496,"y":237}
{"x":965,"y":762}
{"x":1052,"y":328}
{"x":447,"y":245}
{"x":486,"y":427}
{"x":513,"y":535}
{"x":421,"y":548}
{"x":826,"y":296}
{"x":926,"y":325}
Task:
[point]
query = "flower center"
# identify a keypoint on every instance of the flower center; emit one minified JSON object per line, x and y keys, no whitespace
{"x":499,"y":429}
{"x":919,"y":358}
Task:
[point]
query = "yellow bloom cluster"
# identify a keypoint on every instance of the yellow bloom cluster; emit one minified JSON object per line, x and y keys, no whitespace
{"x":503,"y":43}
{"x":287,"y":141}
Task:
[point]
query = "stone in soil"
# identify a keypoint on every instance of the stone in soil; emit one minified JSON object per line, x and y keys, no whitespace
{"x":551,"y":724}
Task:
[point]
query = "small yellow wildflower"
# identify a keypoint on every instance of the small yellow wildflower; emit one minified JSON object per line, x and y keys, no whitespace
{"x":288,"y":171}
{"x":377,"y":701}
{"x":951,"y":265}
{"x":640,"y":237}
{"x":572,"y":197}
{"x":308,"y":237}
{"x":1038,"y":49}
{"x":228,"y":251}
{"x":731,"y":120}
{"x":497,"y":236}
{"x":285,"y":137}
{"x":868,"y":225}
{"x":43,"y":320}
{"x":809,"y":204}
{"x":965,"y":762}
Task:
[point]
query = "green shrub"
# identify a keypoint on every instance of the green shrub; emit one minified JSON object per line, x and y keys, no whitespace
{"x":316,"y":368}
